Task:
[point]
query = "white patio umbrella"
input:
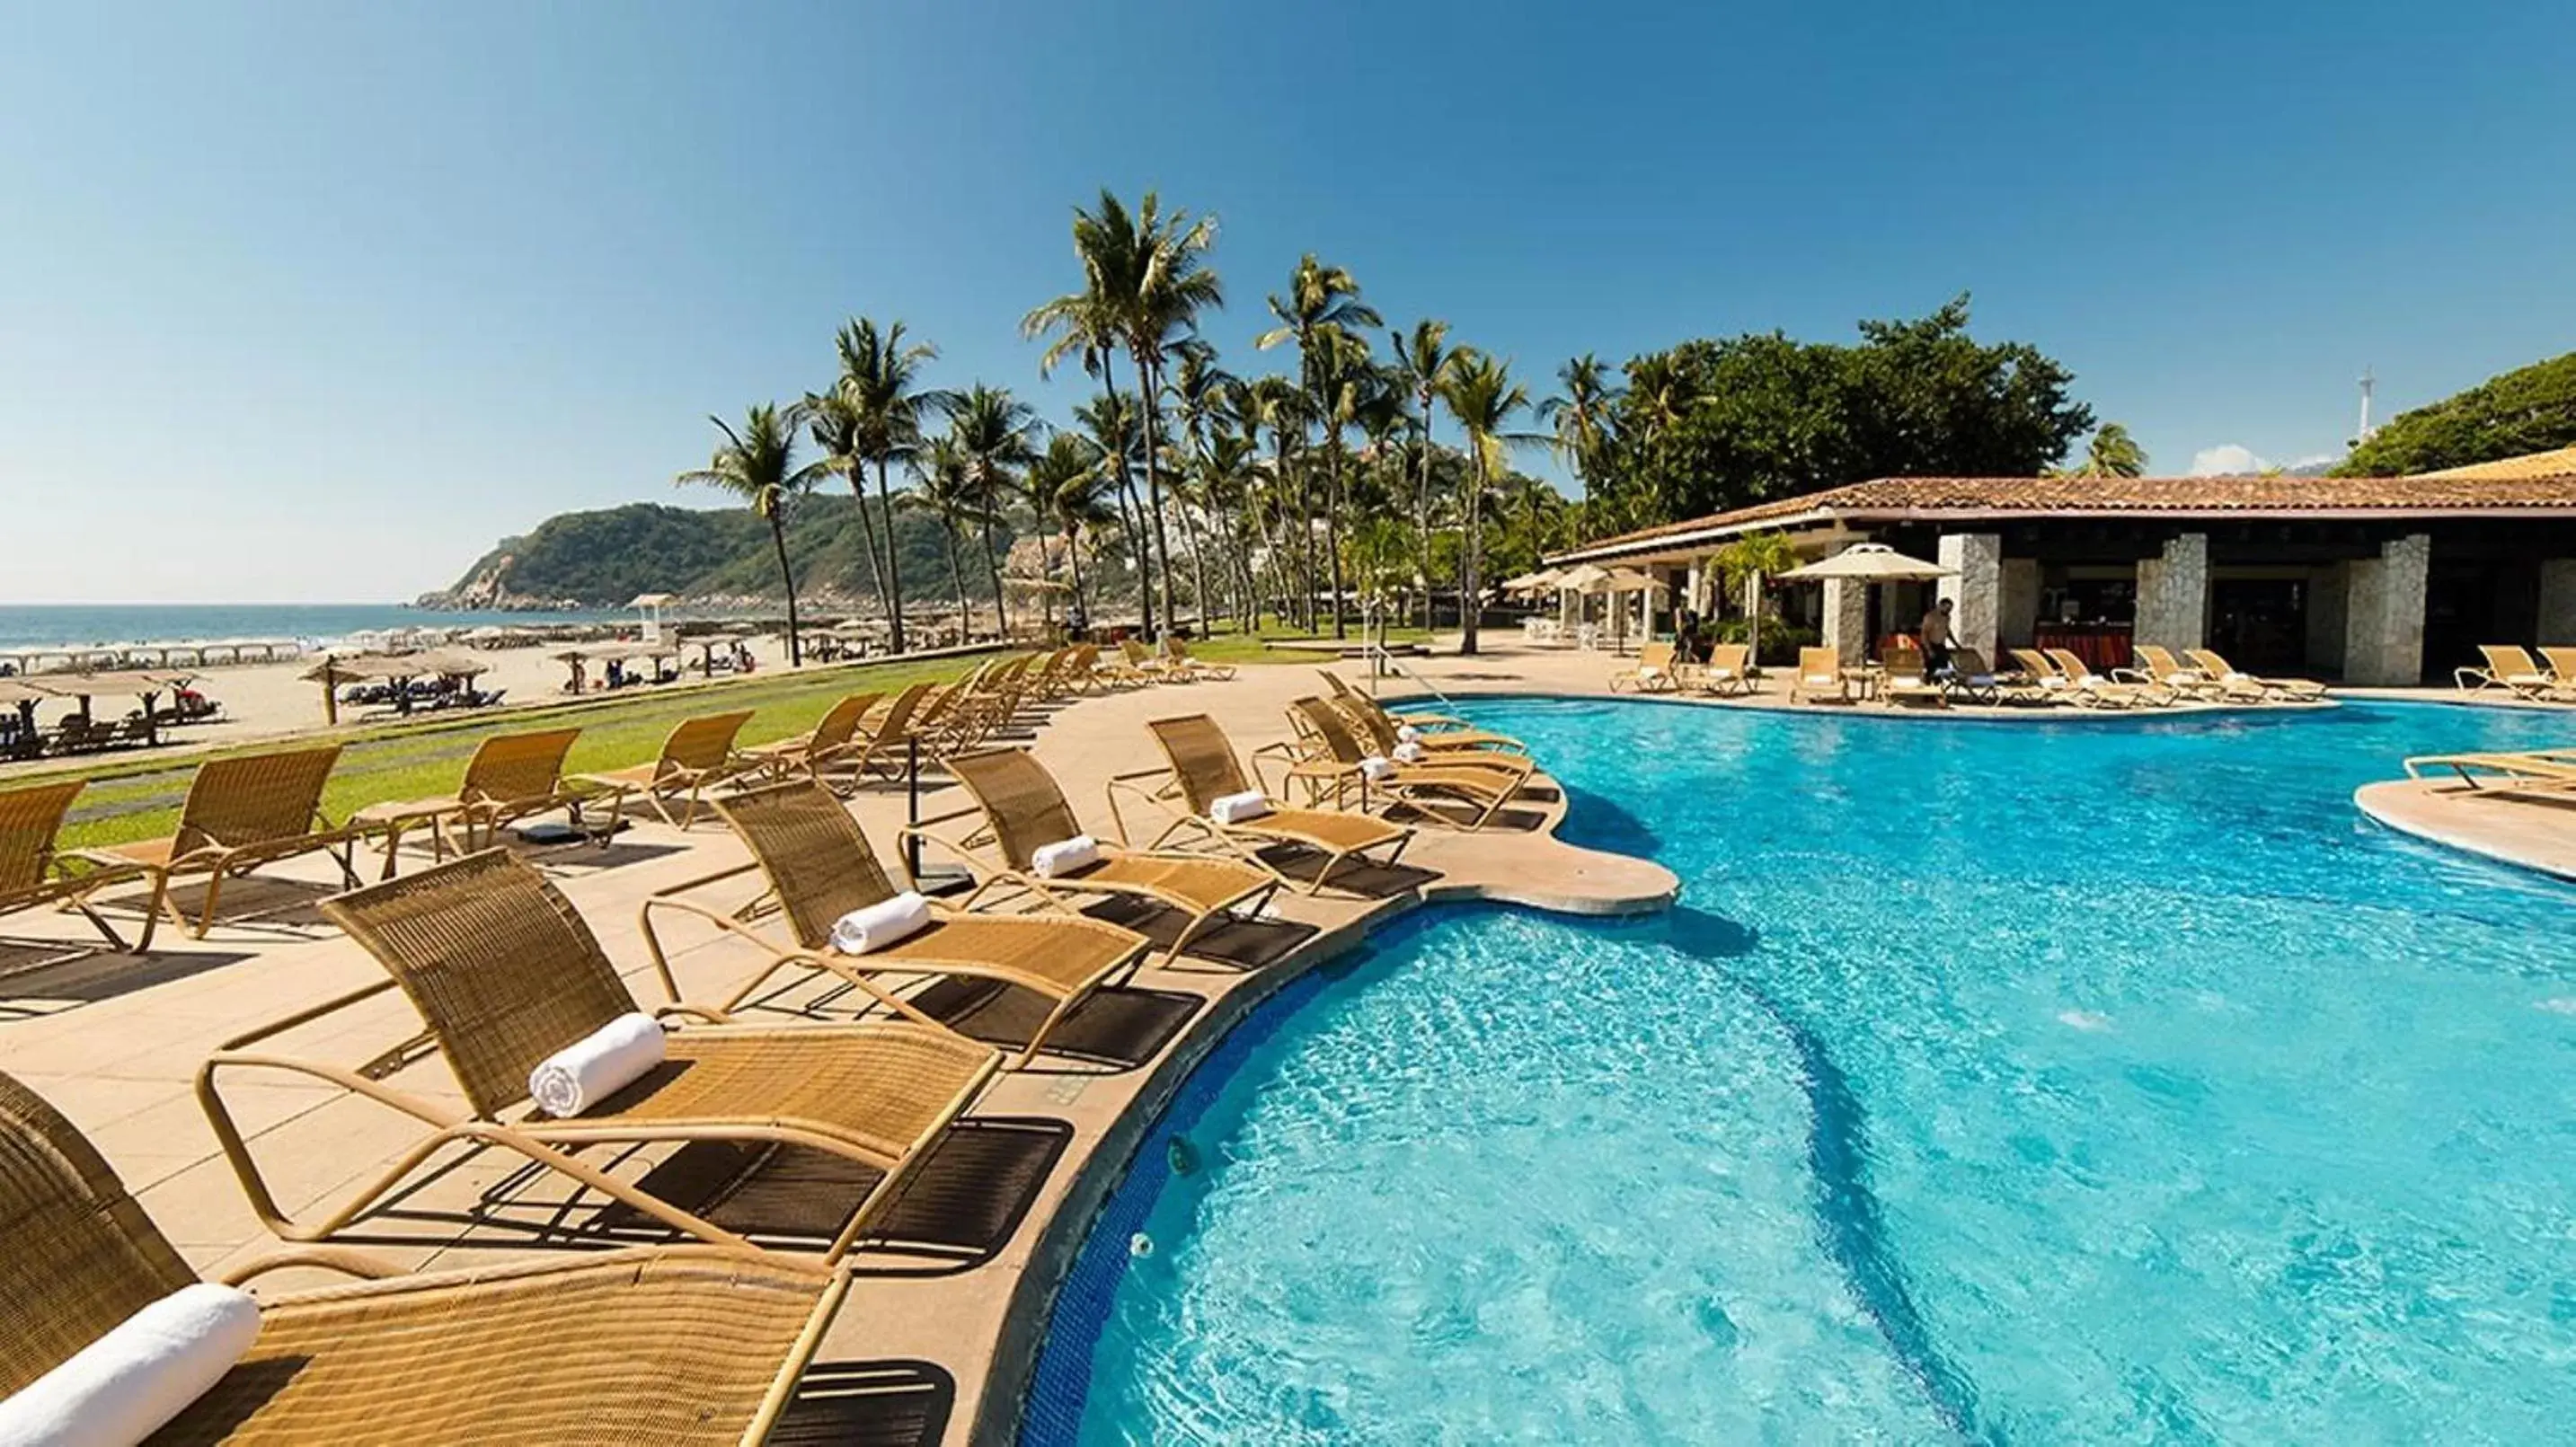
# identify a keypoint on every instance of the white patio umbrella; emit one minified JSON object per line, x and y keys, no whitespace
{"x":1538,"y":582}
{"x":1871,"y":564}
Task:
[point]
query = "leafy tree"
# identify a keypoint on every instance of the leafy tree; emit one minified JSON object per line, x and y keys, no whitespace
{"x":944,"y":486}
{"x":2529,"y":409}
{"x":1481,"y":394}
{"x":1422,"y":362}
{"x":2111,"y":453}
{"x":1145,"y":281}
{"x":881,"y":383}
{"x":1111,"y":422}
{"x":1197,"y":388}
{"x":1581,"y":416}
{"x":837,"y":428}
{"x":758,"y":465}
{"x":1712,"y":425}
{"x":1064,"y":486}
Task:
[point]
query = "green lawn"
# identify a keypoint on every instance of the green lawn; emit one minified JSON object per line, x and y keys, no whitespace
{"x":137,"y":796}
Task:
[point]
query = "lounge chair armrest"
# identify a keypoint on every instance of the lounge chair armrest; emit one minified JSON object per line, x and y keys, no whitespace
{"x":320,"y":1258}
{"x":1150,"y":798}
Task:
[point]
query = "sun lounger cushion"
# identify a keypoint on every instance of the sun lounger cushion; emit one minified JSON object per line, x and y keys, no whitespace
{"x":1236,"y":808}
{"x":1064,"y":856}
{"x":873,"y":927}
{"x":126,"y":1385}
{"x":596,"y":1066}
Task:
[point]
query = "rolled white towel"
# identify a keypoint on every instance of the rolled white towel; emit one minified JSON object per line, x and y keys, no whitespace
{"x":1822,"y":680}
{"x":1064,"y":856}
{"x":878,"y":925}
{"x":1648,"y":670}
{"x":1906,"y":680}
{"x":1376,"y":766}
{"x":1408,"y":753}
{"x":596,"y":1066}
{"x":126,"y":1385}
{"x":1236,"y":808}
{"x":1407,"y":733}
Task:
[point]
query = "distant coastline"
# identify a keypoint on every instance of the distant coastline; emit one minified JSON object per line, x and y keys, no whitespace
{"x":88,"y":625}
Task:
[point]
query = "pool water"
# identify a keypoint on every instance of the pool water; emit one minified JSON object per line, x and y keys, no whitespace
{"x":2065,"y":1083}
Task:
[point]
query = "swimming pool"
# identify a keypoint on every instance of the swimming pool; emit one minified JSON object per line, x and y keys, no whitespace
{"x":2001,"y":1083}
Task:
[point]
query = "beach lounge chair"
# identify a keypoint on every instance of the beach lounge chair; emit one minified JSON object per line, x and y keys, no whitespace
{"x":2081,"y":678}
{"x":818,"y":867}
{"x":1024,"y":811}
{"x":31,"y":876}
{"x":2511,"y":667}
{"x":698,"y":755}
{"x":510,"y":777}
{"x":1204,"y":769}
{"x":1820,"y":676}
{"x":1119,"y":669}
{"x":240,"y":813}
{"x":1907,"y":685}
{"x":2226,"y":674}
{"x":1384,"y":732}
{"x":2053,"y":684}
{"x":1426,"y":722}
{"x":683,"y":1345}
{"x":2562,"y":667}
{"x":2157,"y":666}
{"x":504,"y":974}
{"x":835,"y":734}
{"x":1338,"y":758}
{"x":1176,"y":655}
{"x":1652,"y":673}
{"x":2544,"y":771}
{"x":1973,"y":679}
{"x":1729,"y":670}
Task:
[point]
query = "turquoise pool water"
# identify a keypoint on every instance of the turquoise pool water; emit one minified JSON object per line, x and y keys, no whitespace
{"x":2036,"y":1084}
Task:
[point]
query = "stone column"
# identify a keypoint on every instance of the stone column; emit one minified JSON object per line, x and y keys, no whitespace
{"x":2557,"y":602}
{"x":2017,"y":615}
{"x":2326,"y":623}
{"x":1846,"y":626}
{"x":1976,"y":592}
{"x":2173,"y":594}
{"x":2384,"y":614}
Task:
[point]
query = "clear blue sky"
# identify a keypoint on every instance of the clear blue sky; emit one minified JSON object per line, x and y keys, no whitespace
{"x":314,"y":301}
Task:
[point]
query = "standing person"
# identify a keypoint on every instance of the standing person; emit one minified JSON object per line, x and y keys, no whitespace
{"x":1936,"y":638}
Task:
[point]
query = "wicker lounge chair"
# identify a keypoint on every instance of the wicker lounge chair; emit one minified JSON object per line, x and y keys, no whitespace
{"x":698,"y":755}
{"x":1507,"y":757}
{"x":2297,"y":690}
{"x":1425,"y":722}
{"x":1729,"y":670}
{"x":1820,"y":672}
{"x":1908,"y":685}
{"x":1176,"y":655}
{"x":1204,"y":769}
{"x":240,"y":813}
{"x":1973,"y":679}
{"x":31,"y":876}
{"x":510,"y":777}
{"x":2055,"y":685}
{"x":2080,"y":677}
{"x":1148,"y":665}
{"x":684,"y":1345}
{"x":1334,"y":759}
{"x":2543,"y":771}
{"x":818,"y":867}
{"x":1652,"y":673}
{"x":2511,"y":667}
{"x":2562,"y":666}
{"x":504,"y":973}
{"x":808,"y":756}
{"x":1023,"y":811}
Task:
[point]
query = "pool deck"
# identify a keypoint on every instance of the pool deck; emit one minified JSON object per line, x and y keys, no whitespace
{"x":2523,"y":830}
{"x":948,"y":1332}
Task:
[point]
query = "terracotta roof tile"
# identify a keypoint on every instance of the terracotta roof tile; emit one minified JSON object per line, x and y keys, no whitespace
{"x":1891,"y":497}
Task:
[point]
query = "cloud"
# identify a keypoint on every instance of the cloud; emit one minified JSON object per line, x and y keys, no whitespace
{"x":2227,"y":459}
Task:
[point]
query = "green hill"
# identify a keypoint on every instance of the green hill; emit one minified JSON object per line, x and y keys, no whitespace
{"x":2529,"y":409}
{"x":600,"y":559}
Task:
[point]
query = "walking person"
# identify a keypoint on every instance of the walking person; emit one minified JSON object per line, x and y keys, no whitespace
{"x":1936,"y":639}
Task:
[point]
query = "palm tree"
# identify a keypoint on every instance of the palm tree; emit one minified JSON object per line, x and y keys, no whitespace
{"x":944,"y":486}
{"x":996,"y":433}
{"x":1111,"y":422}
{"x":880,"y":380}
{"x":1481,"y":394}
{"x":1145,"y":282}
{"x":1063,"y":487}
{"x":1198,"y":388}
{"x":758,"y":465}
{"x":1284,"y":409}
{"x":1422,"y":361}
{"x":1582,"y":416}
{"x":1322,"y":313}
{"x":2114,"y":453}
{"x":836,"y":429}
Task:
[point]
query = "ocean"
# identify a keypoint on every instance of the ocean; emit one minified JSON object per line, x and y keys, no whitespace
{"x":83,"y":625}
